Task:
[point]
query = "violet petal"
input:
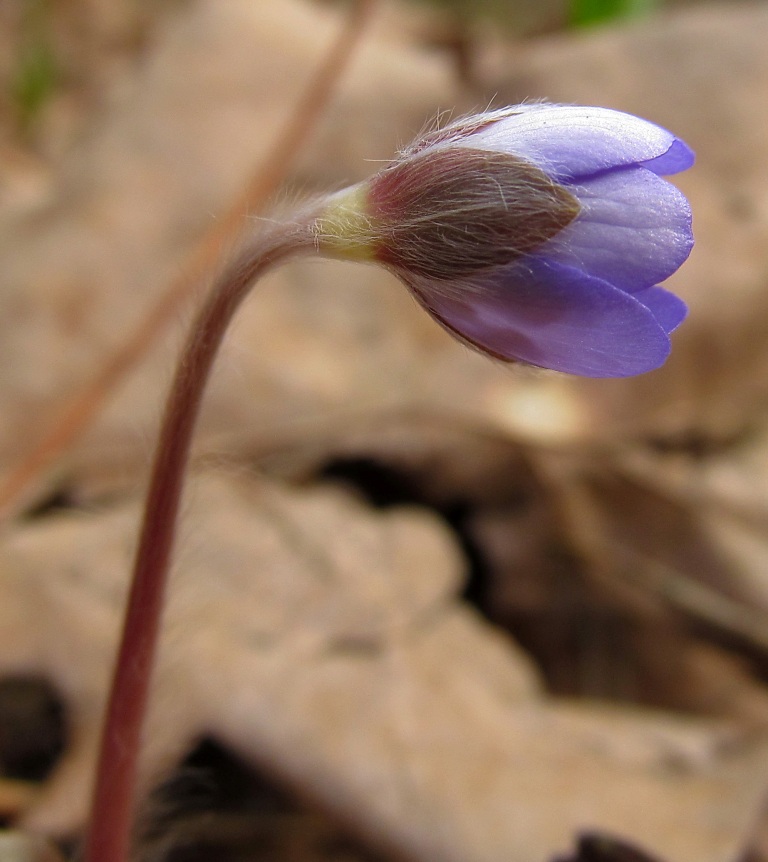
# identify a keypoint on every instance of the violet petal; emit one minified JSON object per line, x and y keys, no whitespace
{"x":569,"y":142}
{"x":679,"y":157}
{"x":669,"y":310}
{"x":552,"y":316}
{"x":634,"y":229}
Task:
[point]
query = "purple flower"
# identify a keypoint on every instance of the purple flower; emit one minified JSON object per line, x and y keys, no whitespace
{"x":537,"y":234}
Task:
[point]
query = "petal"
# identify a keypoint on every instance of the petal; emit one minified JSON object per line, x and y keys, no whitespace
{"x":669,"y":310}
{"x":634,"y":229}
{"x":569,"y":142}
{"x":679,"y":157}
{"x":554,"y":317}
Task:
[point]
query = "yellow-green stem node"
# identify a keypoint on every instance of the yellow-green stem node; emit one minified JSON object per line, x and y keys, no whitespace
{"x":345,"y":229}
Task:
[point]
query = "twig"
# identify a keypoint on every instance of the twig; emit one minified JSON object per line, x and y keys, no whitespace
{"x":697,"y":600}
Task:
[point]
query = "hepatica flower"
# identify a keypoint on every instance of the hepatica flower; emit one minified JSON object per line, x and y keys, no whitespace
{"x":536,"y":234}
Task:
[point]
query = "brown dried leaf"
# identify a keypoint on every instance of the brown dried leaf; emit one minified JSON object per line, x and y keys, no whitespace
{"x":21,"y":847}
{"x":325,"y":641}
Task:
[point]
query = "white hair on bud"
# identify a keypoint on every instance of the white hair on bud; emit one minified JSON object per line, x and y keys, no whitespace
{"x":449,"y":212}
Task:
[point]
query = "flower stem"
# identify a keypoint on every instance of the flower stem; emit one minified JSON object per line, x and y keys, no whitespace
{"x":112,"y":812}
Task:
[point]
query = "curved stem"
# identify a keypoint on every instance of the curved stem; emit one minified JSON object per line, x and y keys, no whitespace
{"x":108,"y":838}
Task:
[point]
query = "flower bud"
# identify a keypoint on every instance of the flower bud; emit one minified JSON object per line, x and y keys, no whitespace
{"x":534,"y":234}
{"x":455,"y":212}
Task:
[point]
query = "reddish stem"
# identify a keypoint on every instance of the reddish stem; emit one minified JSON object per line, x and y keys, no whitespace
{"x":112,"y":812}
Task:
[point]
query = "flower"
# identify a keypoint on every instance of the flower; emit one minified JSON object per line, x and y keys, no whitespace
{"x":536,"y":234}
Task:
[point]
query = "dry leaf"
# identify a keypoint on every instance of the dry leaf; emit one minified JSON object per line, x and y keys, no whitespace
{"x":20,"y":847}
{"x":349,"y":669}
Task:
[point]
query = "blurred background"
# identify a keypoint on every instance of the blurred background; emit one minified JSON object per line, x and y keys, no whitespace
{"x":426,"y":607}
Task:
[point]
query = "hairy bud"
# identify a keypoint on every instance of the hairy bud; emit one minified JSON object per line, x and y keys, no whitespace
{"x":453,"y":212}
{"x":448,"y":213}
